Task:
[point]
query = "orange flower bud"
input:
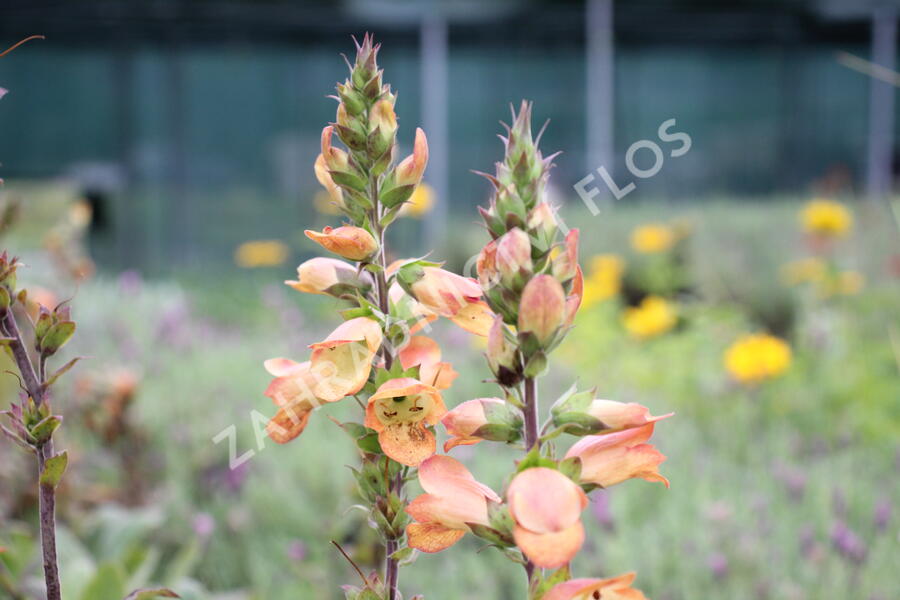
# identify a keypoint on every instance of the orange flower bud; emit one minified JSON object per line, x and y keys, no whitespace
{"x":546,"y":507}
{"x":411,"y":168}
{"x":614,"y":457}
{"x":335,"y":158}
{"x":452,"y":500}
{"x":481,"y":419}
{"x":614,"y":588}
{"x":399,"y":410}
{"x":347,"y":241}
{"x":383,"y":121}
{"x":334,"y":192}
{"x":542,"y":310}
{"x":322,"y":275}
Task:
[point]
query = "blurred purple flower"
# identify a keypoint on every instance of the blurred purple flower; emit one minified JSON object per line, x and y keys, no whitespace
{"x":130,"y":282}
{"x":296,"y":551}
{"x":793,"y":480}
{"x":718,"y":565}
{"x":601,"y":509}
{"x":847,"y":543}
{"x":883,"y":510}
{"x":204,"y":525}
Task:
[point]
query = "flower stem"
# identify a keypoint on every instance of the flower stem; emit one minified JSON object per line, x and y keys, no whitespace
{"x":47,"y":493}
{"x":532,"y":436}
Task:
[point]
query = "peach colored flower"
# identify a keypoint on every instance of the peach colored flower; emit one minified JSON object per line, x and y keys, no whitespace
{"x":404,"y":306}
{"x":621,"y":415}
{"x":565,"y":264}
{"x":347,"y":241}
{"x":425,"y":352}
{"x":444,"y":292}
{"x":324,"y":178}
{"x":292,"y":392}
{"x":573,"y":300}
{"x":452,"y":500}
{"x":399,"y":410}
{"x":475,"y":317}
{"x":612,"y":458}
{"x":614,"y":588}
{"x":319,"y":275}
{"x":546,"y":507}
{"x":343,"y":360}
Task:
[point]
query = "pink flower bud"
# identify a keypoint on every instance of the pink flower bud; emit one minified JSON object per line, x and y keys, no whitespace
{"x":335,"y":158}
{"x":542,"y":310}
{"x":514,"y":257}
{"x":324,"y":177}
{"x":353,"y":243}
{"x":438,"y":290}
{"x":482,"y":419}
{"x":323,"y":275}
{"x":411,"y":168}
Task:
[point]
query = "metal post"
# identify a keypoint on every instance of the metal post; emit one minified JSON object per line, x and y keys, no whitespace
{"x":881,"y":106}
{"x":600,"y":98}
{"x":433,"y":48}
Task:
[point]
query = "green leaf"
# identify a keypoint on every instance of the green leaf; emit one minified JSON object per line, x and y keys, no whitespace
{"x":108,"y":583}
{"x":148,"y":594}
{"x":62,"y":371}
{"x":54,"y":469}
{"x":491,"y":535}
{"x":369,"y":443}
{"x":403,"y":554}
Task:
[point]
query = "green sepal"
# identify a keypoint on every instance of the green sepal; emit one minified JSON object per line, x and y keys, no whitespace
{"x":534,"y":459}
{"x":536,"y":365}
{"x":54,"y":468}
{"x":491,"y":535}
{"x":43,"y":430}
{"x":571,"y":468}
{"x":56,"y":337}
{"x":369,"y":443}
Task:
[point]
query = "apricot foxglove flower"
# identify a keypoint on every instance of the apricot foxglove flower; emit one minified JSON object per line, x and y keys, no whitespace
{"x":353,"y":243}
{"x":566,"y":263}
{"x":591,"y":415}
{"x":475,"y":317}
{"x":614,"y":588}
{"x":546,"y":507}
{"x":542,"y":310}
{"x":440,"y":291}
{"x":292,"y":392}
{"x":343,"y":360}
{"x":411,"y":168}
{"x":452,"y":500}
{"x":482,"y":419}
{"x":399,"y":411}
{"x":612,"y":458}
{"x":329,"y":276}
{"x":573,"y":300}
{"x":424,"y":352}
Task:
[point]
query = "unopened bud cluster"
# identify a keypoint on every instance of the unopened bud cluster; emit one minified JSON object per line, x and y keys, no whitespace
{"x":530,"y":276}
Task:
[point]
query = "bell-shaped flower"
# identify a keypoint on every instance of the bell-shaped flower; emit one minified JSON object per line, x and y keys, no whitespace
{"x":399,"y":411}
{"x":292,"y":392}
{"x":482,"y":419}
{"x":453,"y":499}
{"x":439,"y":290}
{"x":330,"y":276}
{"x":546,"y":507}
{"x":353,"y":243}
{"x":343,"y":360}
{"x":612,"y":458}
{"x":542,"y":309}
{"x":475,"y":317}
{"x":424,"y":352}
{"x":614,"y":588}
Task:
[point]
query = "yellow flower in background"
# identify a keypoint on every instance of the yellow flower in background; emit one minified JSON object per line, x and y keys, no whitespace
{"x":653,"y":317}
{"x":805,"y":270}
{"x":850,"y":283}
{"x":756,"y":357}
{"x":260,"y":253}
{"x":324,"y":205}
{"x":604,"y":280}
{"x":652,"y":238}
{"x":420,"y":203}
{"x":826,"y":218}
